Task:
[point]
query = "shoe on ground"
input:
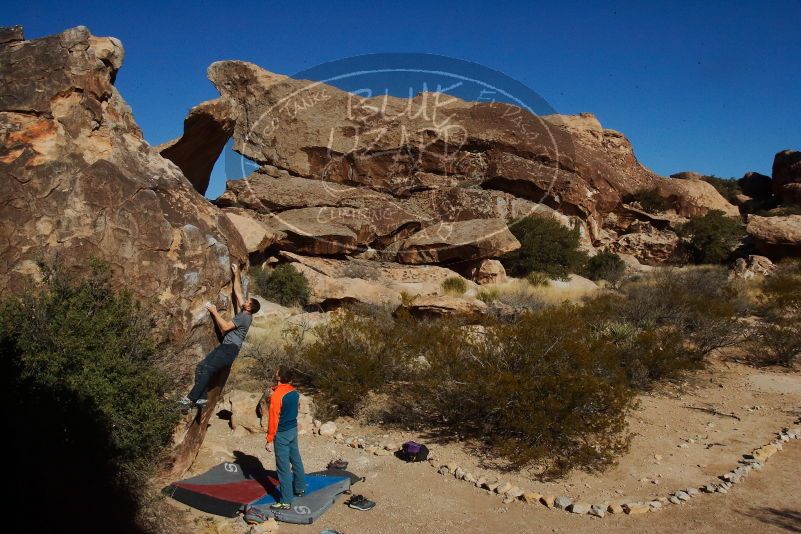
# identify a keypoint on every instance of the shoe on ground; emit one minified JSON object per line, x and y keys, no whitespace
{"x":358,"y":502}
{"x":280,"y":506}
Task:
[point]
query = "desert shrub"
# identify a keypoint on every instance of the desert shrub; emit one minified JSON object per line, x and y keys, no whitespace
{"x":605,"y":266}
{"x":712,"y":236}
{"x":777,"y":339}
{"x":776,"y":343}
{"x":77,"y":359}
{"x":549,"y":388}
{"x":487,"y":295}
{"x":700,"y":305}
{"x":537,"y":279}
{"x":545,"y":246}
{"x":728,"y":188}
{"x":650,"y":200}
{"x":283,"y":284}
{"x":520,"y":298}
{"x":352,"y":356}
{"x":454,"y":285}
{"x":531,"y":392}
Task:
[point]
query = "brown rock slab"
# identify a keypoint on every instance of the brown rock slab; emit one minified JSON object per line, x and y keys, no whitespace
{"x":256,"y":235}
{"x":458,"y":241}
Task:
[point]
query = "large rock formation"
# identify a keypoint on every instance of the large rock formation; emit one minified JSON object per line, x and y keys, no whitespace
{"x":392,"y":166}
{"x":787,"y":176}
{"x":78,"y":180}
{"x":399,"y":145}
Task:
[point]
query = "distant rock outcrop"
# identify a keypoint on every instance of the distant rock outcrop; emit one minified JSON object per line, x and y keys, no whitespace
{"x":80,"y":181}
{"x":787,"y":176}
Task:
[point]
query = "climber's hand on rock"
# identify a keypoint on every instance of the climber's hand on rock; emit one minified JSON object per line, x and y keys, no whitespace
{"x":211,"y":307}
{"x":234,"y":268}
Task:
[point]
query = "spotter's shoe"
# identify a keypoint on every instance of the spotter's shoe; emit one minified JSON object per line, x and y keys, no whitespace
{"x":358,"y":502}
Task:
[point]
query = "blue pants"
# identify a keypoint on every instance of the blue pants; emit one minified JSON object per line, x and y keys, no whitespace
{"x":222,"y":356}
{"x":292,"y":480}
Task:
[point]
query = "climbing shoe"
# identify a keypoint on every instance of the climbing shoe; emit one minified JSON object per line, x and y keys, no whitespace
{"x":280,"y":506}
{"x":200,"y":403}
{"x":358,"y":502}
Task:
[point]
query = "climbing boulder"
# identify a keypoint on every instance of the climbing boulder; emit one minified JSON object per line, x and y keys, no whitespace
{"x":81,"y":182}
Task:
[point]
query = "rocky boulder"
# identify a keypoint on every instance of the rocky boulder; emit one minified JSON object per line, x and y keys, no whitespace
{"x":753,"y":266}
{"x":458,"y":241}
{"x":207,"y":129}
{"x":244,"y":408}
{"x":776,"y":237}
{"x":373,"y":282}
{"x":256,"y":235}
{"x":486,"y":272}
{"x":649,"y":246}
{"x":786,"y":174}
{"x":693,"y":196}
{"x":429,"y":307}
{"x":756,"y":185}
{"x":80,"y":181}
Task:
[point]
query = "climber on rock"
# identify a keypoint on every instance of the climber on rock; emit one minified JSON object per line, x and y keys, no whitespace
{"x":226,"y":352}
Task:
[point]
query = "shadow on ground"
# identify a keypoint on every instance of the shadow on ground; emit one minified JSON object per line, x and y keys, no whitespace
{"x":784,"y":518}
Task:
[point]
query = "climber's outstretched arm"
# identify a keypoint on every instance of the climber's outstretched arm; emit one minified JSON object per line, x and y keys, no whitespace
{"x":223,"y":324}
{"x":239,"y":297}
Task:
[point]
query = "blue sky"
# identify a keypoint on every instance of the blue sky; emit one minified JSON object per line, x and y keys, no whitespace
{"x":708,"y":86}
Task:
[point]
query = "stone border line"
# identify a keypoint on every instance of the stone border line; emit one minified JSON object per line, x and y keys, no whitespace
{"x":755,"y":460}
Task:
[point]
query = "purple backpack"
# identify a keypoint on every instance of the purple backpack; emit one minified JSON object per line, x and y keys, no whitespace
{"x":414,"y":452}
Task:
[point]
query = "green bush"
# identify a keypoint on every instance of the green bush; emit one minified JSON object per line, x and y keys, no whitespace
{"x":699,"y":305}
{"x":537,"y":279}
{"x":487,"y":295}
{"x":351,"y":357}
{"x":521,"y":388}
{"x":605,"y":266}
{"x":531,"y":394}
{"x":84,"y":394}
{"x":650,"y":200}
{"x":455,"y":285}
{"x":713,"y":237}
{"x":777,"y":339}
{"x":545,"y":246}
{"x":283,"y":284}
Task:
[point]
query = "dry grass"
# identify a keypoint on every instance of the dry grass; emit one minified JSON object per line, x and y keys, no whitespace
{"x":555,"y":292}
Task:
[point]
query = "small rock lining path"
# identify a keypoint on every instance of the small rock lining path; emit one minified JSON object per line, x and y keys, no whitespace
{"x":755,"y":460}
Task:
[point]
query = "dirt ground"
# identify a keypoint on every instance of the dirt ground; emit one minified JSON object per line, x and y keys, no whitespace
{"x":675,"y":446}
